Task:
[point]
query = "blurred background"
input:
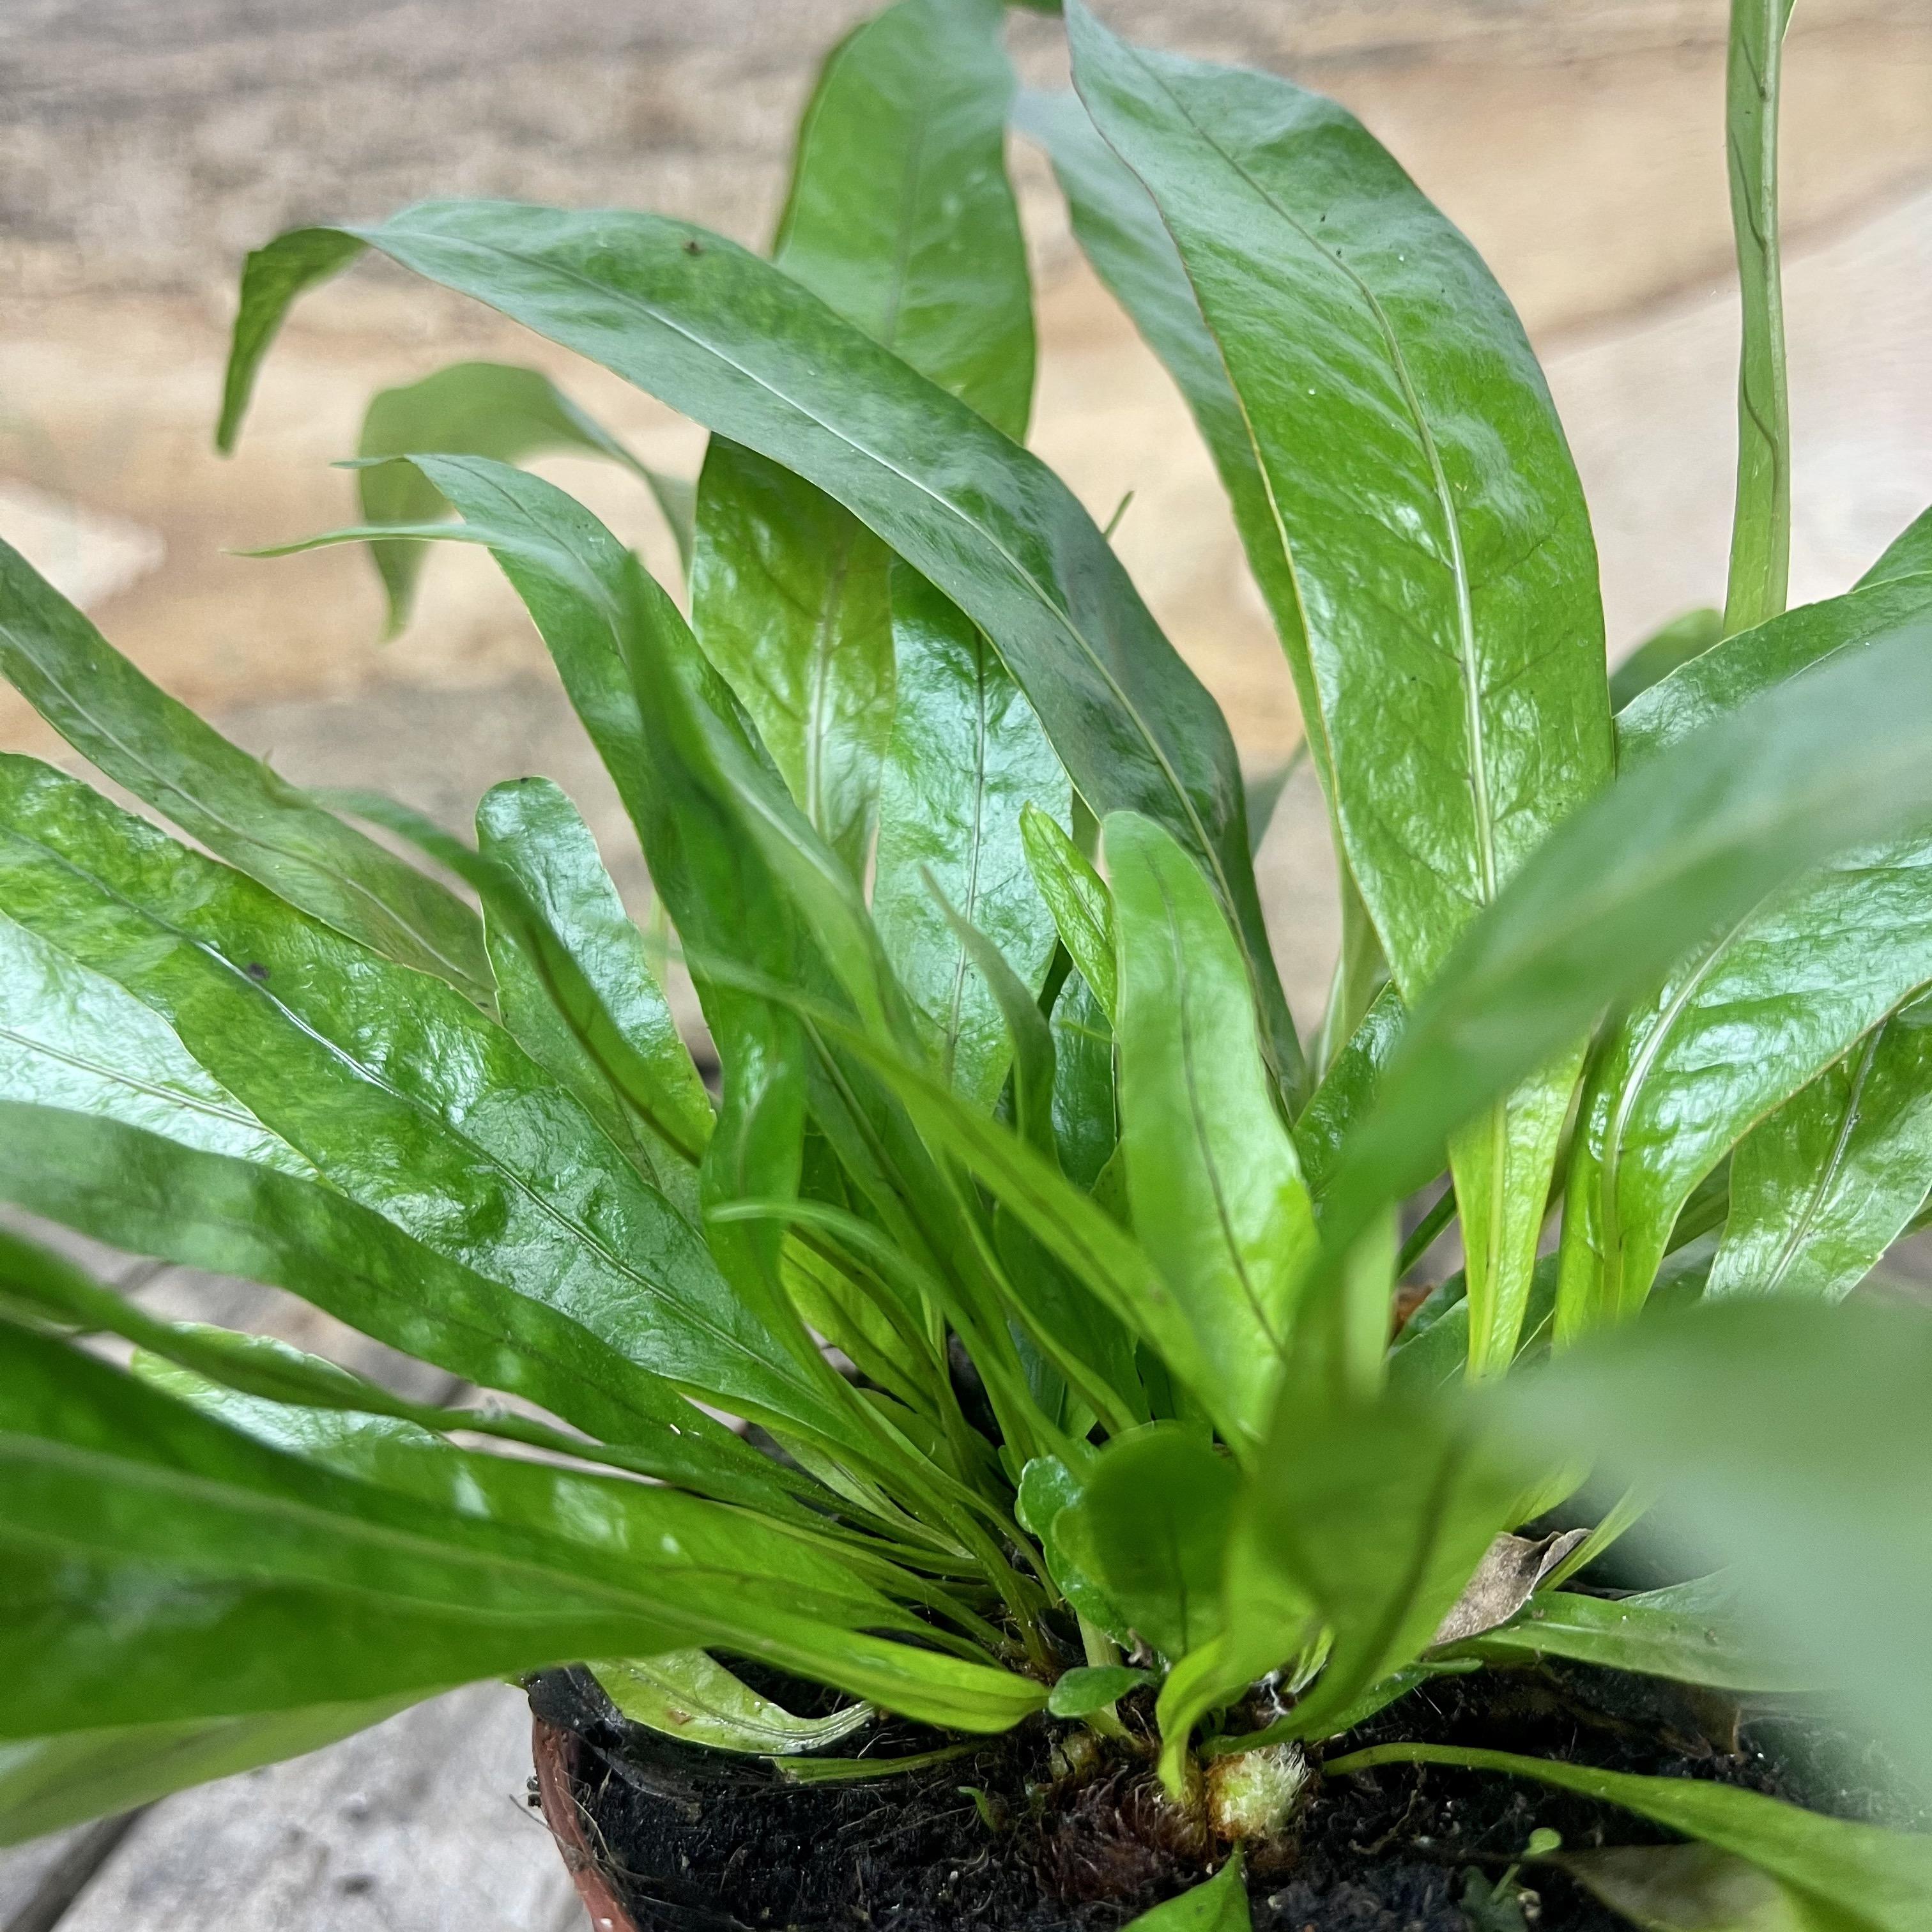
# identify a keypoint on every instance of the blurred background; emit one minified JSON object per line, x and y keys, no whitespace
{"x":145,"y":148}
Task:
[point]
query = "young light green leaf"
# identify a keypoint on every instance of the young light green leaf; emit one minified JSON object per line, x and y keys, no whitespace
{"x":1876,"y":1880}
{"x":1354,"y":319}
{"x":689,"y":1694}
{"x":1081,"y":906}
{"x":48,"y":1783}
{"x":1215,"y":1187}
{"x":736,"y":344}
{"x":1761,"y":524}
{"x":70,"y":1037}
{"x":1373,"y":1516}
{"x":1695,"y":838}
{"x":1218,"y":1904}
{"x":1823,"y":1187}
{"x":1663,"y":652}
{"x":477,"y":409}
{"x":1149,"y":1527}
{"x":1080,"y":1693}
{"x":1079,"y":1232}
{"x":968,"y":760}
{"x":164,"y":755}
{"x":614,"y":998}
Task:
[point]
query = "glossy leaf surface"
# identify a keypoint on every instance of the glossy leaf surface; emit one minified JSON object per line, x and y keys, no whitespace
{"x":1820,"y":1189}
{"x":1696,"y":837}
{"x":117,"y":1496}
{"x":1081,"y":906}
{"x":1463,"y":707}
{"x":476,"y":409}
{"x":899,"y":216}
{"x":404,"y":1096}
{"x":1719,"y":679}
{"x":1212,"y":1181}
{"x":689,"y":1694}
{"x":729,"y":340}
{"x":603,"y":978}
{"x":215,"y":792}
{"x":1690,"y":1633}
{"x":967,"y":757}
{"x":72,"y":1038}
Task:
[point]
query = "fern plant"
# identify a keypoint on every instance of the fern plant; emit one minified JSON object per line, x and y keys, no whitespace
{"x":1013,"y":1114}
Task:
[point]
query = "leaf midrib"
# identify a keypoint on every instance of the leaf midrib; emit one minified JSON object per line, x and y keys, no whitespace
{"x":654,"y":1290}
{"x":1209,"y":851}
{"x":325,"y":867}
{"x":1473,"y":730}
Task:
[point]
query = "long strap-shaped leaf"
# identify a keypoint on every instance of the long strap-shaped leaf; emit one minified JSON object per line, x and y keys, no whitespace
{"x":1820,"y":1189}
{"x":72,"y":1038}
{"x":163,"y":753}
{"x":158,"y":1562}
{"x":1761,"y":1005}
{"x":731,"y":341}
{"x":1405,"y":441}
{"x":1699,"y":835}
{"x":400,"y":1092}
{"x":136,"y":1191}
{"x":476,"y":409}
{"x":1216,"y":1190}
{"x":900,"y":217}
{"x":742,"y":874}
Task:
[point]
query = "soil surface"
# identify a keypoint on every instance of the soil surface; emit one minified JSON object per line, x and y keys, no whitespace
{"x":1012,"y":1838}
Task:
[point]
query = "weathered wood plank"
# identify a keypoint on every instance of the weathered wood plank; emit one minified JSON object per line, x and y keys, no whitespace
{"x":418,"y":1826}
{"x":39,"y":1881}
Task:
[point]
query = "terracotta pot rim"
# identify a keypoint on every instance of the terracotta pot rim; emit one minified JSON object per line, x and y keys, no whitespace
{"x":554,"y":1750}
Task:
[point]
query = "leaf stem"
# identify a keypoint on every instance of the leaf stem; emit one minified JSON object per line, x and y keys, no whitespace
{"x":1761,"y":526}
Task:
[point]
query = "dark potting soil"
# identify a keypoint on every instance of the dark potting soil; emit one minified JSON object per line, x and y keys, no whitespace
{"x":1012,"y":1837}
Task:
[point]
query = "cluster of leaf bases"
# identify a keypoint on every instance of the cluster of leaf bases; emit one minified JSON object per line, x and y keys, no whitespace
{"x":957,"y":852}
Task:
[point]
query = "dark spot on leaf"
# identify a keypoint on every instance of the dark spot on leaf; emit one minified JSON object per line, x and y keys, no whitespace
{"x":256,"y":970}
{"x":693,"y":247}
